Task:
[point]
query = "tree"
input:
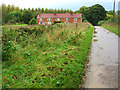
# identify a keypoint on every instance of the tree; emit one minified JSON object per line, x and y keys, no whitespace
{"x":62,"y":10}
{"x":68,"y":11}
{"x":39,"y":9}
{"x":65,"y":11}
{"x":50,"y":10}
{"x":21,"y":10}
{"x":15,"y":16}
{"x":12,"y":8}
{"x":118,"y":12}
{"x":17,"y":8}
{"x":110,"y":12}
{"x":29,"y":9}
{"x":33,"y":10}
{"x":33,"y":21}
{"x":42,"y":10}
{"x":27,"y":16}
{"x":24,"y":9}
{"x":95,"y":14}
{"x":36,"y":9}
{"x":9,"y":8}
{"x":4,"y":13}
{"x":59,"y":11}
{"x":46,"y":10}
{"x":83,"y":9}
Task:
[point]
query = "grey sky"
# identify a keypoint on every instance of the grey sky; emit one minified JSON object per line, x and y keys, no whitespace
{"x":65,"y":4}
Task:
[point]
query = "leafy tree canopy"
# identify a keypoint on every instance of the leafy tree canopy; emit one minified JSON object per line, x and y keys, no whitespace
{"x":15,"y":16}
{"x":27,"y":16}
{"x":95,"y":14}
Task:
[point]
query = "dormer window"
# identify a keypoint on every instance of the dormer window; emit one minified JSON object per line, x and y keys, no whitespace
{"x":66,"y":19}
{"x":75,"y":19}
{"x":49,"y":19}
{"x":57,"y":19}
{"x":40,"y":19}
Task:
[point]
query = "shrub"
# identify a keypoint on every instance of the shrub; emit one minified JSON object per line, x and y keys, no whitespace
{"x":33,"y":21}
{"x":100,"y":23}
{"x":27,"y":16}
{"x":57,"y":21}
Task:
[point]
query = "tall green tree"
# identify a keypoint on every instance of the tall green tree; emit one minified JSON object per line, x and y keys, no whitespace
{"x":24,"y":9}
{"x":17,"y":8}
{"x":61,"y":10}
{"x":65,"y":11}
{"x":42,"y":10}
{"x":4,"y":13}
{"x":46,"y":10}
{"x":83,"y":9}
{"x":9,"y":8}
{"x":21,"y":10}
{"x":39,"y":9}
{"x":12,"y":8}
{"x":95,"y":14}
{"x":110,"y":12}
{"x":29,"y":9}
{"x":36,"y":9}
{"x":27,"y":16}
{"x":33,"y":10}
{"x":68,"y":11}
{"x":15,"y":16}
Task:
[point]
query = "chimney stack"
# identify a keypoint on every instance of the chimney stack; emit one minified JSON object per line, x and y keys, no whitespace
{"x":71,"y":12}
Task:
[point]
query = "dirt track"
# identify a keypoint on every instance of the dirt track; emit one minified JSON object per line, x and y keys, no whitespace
{"x":102,"y":69}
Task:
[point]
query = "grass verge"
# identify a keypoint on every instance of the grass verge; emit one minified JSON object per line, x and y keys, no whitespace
{"x":45,"y":57}
{"x":17,"y":25}
{"x":112,"y":27}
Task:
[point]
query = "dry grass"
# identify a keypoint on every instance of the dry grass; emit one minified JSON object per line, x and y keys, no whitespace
{"x":112,"y":25}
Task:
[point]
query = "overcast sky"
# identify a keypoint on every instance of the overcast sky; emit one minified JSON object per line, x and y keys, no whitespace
{"x":65,"y":4}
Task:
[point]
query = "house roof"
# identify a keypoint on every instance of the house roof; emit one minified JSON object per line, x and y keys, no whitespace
{"x":60,"y":15}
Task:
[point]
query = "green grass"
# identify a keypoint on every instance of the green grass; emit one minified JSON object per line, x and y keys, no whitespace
{"x":17,"y":25}
{"x":112,"y":29}
{"x":112,"y":25}
{"x":53,"y":59}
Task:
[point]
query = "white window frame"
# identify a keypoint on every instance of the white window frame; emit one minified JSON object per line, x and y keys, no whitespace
{"x":40,"y":19}
{"x":49,"y":19}
{"x":49,"y":22}
{"x":57,"y":19}
{"x":40,"y":22}
{"x":66,"y":19}
{"x":75,"y":19}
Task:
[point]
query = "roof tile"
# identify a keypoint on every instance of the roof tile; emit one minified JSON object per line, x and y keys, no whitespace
{"x":60,"y":15}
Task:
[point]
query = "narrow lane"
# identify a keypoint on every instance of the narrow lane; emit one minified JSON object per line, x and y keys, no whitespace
{"x":102,"y":69}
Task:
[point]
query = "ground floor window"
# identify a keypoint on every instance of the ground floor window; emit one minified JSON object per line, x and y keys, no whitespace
{"x":49,"y":22}
{"x":57,"y":19}
{"x":40,"y":22}
{"x":75,"y":19}
{"x":49,"y":19}
{"x":66,"y":19}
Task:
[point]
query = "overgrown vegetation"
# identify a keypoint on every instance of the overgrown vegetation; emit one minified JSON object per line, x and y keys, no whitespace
{"x":45,"y":56}
{"x":33,"y":21}
{"x":112,"y":24}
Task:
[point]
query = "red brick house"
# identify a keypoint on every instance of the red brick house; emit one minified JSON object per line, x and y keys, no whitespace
{"x":63,"y":17}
